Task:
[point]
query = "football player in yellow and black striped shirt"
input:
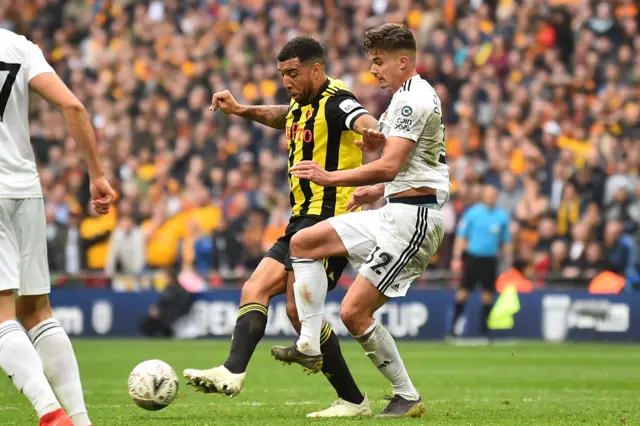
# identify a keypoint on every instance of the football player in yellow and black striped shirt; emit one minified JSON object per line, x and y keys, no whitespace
{"x":321,"y":124}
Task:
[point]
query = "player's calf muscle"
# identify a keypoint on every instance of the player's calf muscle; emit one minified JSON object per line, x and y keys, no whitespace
{"x":261,"y":291}
{"x":359,"y":304}
{"x":292,"y":310}
{"x":268,"y":280}
{"x":355,"y":319}
{"x":7,"y":306}
{"x":32,"y":310}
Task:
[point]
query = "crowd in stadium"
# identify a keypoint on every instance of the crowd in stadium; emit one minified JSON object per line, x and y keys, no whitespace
{"x":540,"y":97}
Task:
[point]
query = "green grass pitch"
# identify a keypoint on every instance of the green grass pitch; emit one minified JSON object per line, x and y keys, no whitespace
{"x":525,"y":384}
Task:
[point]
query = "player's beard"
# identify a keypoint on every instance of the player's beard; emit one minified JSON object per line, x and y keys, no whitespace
{"x":308,"y":92}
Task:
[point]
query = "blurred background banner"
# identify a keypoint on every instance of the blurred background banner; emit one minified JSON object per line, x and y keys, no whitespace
{"x":554,"y":316}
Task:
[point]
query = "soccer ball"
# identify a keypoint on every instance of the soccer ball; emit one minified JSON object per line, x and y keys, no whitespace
{"x":153,"y":385}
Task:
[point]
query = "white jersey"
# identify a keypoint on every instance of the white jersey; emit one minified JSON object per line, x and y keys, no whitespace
{"x":415,"y":113}
{"x":20,"y":61}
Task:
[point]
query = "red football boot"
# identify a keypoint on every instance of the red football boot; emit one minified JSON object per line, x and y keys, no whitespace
{"x":56,"y":418}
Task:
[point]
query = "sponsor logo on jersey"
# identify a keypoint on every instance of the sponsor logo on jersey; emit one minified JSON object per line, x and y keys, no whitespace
{"x":348,"y":105}
{"x":403,"y":123}
{"x":406,"y":111}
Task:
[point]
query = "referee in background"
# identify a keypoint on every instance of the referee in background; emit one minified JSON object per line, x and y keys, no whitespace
{"x":483,"y":232}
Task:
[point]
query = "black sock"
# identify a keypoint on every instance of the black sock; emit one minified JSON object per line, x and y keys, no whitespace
{"x":335,"y":368}
{"x":250,"y":326}
{"x":486,"y":310}
{"x":456,"y":315}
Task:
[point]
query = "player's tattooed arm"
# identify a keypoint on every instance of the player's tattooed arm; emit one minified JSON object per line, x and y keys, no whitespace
{"x":270,"y":115}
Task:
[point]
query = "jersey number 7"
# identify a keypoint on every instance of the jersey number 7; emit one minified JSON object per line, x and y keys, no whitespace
{"x":5,"y":91}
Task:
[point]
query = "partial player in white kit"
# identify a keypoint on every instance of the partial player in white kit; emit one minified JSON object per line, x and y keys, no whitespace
{"x":391,"y":246}
{"x":41,"y":363}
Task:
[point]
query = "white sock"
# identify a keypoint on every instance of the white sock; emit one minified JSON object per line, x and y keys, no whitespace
{"x":383,"y":352}
{"x":310,"y":289}
{"x":20,"y":361}
{"x":61,"y":368}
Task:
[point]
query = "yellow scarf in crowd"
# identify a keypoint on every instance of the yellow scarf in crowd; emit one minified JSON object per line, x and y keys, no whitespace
{"x":568,"y":214}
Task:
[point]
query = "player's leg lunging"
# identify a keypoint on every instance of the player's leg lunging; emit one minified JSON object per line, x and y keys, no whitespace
{"x":351,"y":401}
{"x":268,"y":280}
{"x":358,"y":306}
{"x":310,"y":289}
{"x":55,"y":350}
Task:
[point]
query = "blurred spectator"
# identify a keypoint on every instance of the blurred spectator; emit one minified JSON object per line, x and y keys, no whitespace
{"x":577,"y":250}
{"x":620,"y":210}
{"x":197,"y":249}
{"x":173,"y":303}
{"x":620,"y":256}
{"x":570,"y":209}
{"x":539,"y":97}
{"x":126,"y":253}
{"x":558,"y":258}
{"x":510,"y":195}
{"x":56,"y":241}
{"x":593,"y":262}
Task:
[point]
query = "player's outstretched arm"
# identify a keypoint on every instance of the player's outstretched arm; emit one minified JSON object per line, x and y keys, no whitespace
{"x":385,"y":169}
{"x":270,"y":115}
{"x":53,"y":90}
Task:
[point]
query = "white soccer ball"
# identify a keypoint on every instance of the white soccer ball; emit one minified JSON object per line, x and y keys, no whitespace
{"x":153,"y":385}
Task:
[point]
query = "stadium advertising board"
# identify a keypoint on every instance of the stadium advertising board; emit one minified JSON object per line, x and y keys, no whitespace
{"x":423,"y":314}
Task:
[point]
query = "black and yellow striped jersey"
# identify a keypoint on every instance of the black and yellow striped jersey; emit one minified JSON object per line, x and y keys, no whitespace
{"x":321,"y":131}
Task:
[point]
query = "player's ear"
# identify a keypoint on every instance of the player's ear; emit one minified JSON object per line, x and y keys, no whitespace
{"x":315,"y":71}
{"x":403,"y":62}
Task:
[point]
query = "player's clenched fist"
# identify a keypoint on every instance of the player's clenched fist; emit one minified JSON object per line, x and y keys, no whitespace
{"x":225,"y":102}
{"x":102,"y":195}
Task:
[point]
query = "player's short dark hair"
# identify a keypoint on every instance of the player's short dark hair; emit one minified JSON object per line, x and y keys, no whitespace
{"x":389,"y":38}
{"x":304,"y":48}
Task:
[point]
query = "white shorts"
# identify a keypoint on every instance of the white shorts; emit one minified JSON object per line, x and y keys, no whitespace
{"x":23,"y":247}
{"x":393,"y":245}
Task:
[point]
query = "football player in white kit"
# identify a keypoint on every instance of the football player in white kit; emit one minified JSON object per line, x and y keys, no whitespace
{"x":41,"y":363}
{"x":391,"y":246}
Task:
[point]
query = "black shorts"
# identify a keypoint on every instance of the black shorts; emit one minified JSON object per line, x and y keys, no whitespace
{"x":280,"y":250}
{"x":479,"y":270}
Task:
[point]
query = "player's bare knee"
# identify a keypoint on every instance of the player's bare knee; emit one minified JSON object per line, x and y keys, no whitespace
{"x":298,"y":247}
{"x":257,"y":291}
{"x":32,"y":310}
{"x":354,"y":318}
